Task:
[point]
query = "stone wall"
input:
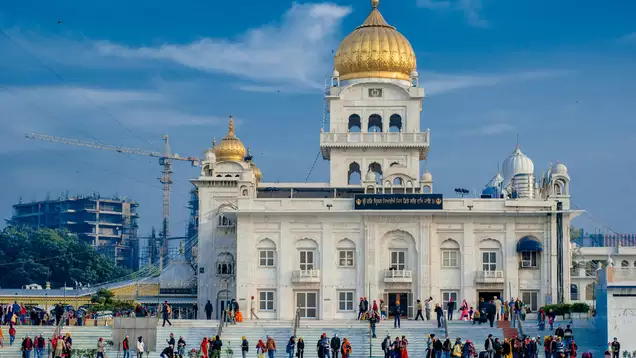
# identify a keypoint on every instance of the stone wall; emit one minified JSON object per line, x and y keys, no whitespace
{"x":135,"y":327}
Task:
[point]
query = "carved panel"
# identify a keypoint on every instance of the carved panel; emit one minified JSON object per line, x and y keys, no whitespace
{"x":266,"y":226}
{"x":354,"y":227}
{"x":450,"y":227}
{"x":528,"y":227}
{"x":395,"y":219}
{"x":304,"y":226}
{"x":489,"y":227}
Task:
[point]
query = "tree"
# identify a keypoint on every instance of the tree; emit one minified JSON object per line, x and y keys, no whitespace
{"x":103,"y":300}
{"x":44,"y":255}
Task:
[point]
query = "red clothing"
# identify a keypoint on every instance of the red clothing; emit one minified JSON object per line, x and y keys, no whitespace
{"x":12,"y":331}
{"x":204,"y":348}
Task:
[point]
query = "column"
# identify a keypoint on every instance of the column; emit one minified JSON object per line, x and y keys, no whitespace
{"x":434,"y":263}
{"x":423,"y":288}
{"x":553,"y":259}
{"x":467,"y":264}
{"x":327,"y":297}
{"x":509,"y":261}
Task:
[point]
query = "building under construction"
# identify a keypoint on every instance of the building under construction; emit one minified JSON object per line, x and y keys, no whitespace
{"x":109,"y":224}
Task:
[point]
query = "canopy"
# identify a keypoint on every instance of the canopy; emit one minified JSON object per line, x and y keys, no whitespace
{"x":529,"y":243}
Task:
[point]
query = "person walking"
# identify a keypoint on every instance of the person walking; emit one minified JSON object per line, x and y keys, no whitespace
{"x":181,"y":344}
{"x":261,"y":349}
{"x":427,"y":307}
{"x":253,"y":309}
{"x":397,"y":312}
{"x":141,"y":347}
{"x":489,"y":346}
{"x":451,"y":308}
{"x":125,"y":346}
{"x":419,"y":310}
{"x":373,"y":320}
{"x":346,"y":348}
{"x":1,"y":335}
{"x":166,"y":310}
{"x":40,"y":344}
{"x":208,"y":310}
{"x":440,"y":314}
{"x":11,"y":334}
{"x":27,"y":347}
{"x":616,"y":348}
{"x":245,"y":347}
{"x":100,"y":347}
{"x":360,"y":308}
{"x":386,"y":346}
{"x":300,"y":348}
{"x":335,"y":346}
{"x":291,"y":347}
{"x":271,"y":347}
{"x":499,"y":316}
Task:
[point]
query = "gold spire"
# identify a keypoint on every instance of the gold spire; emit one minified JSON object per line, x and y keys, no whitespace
{"x":375,"y":49}
{"x":230,"y":148}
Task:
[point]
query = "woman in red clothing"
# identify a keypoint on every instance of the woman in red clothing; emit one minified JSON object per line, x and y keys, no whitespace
{"x":204,"y":348}
{"x":403,"y":347}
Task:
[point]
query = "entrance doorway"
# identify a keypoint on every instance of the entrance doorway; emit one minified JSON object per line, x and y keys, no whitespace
{"x":488,"y":295}
{"x":403,"y":299}
{"x":307,"y":302}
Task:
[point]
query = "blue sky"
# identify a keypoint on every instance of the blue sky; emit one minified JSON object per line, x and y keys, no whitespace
{"x":560,"y":74}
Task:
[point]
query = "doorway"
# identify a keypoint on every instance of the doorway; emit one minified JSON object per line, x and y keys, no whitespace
{"x":403,"y":299}
{"x":307,"y":302}
{"x":488,"y":295}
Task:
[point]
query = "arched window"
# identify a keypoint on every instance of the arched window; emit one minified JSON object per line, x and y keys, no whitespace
{"x":590,"y":292}
{"x":355,"y":124}
{"x":375,"y":123}
{"x":354,"y":175}
{"x":574,"y":292}
{"x":394,"y":164}
{"x":395,"y":123}
{"x":377,"y":169}
{"x":228,"y":176}
{"x":558,"y":190}
{"x":398,"y":181}
{"x":624,"y":263}
{"x":427,"y":189}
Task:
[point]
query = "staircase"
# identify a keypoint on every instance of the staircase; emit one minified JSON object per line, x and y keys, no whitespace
{"x":508,"y":330}
{"x":83,"y":337}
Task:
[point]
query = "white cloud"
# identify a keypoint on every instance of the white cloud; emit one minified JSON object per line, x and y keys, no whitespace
{"x":298,"y":51}
{"x":436,"y":83}
{"x":629,"y":39}
{"x":89,"y":112}
{"x":470,"y":8}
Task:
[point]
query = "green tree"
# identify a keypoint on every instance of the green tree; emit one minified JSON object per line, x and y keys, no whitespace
{"x":103,"y":300}
{"x":43,"y":255}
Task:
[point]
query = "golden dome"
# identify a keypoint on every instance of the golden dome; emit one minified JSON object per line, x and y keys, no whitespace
{"x":257,"y":172}
{"x":230,"y":148}
{"x":375,"y":49}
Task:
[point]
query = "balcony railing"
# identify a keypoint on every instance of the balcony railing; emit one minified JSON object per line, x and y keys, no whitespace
{"x":380,"y":139}
{"x":496,"y":276}
{"x":398,"y":276}
{"x":306,"y":276}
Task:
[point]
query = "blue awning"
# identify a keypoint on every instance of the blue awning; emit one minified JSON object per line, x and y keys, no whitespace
{"x":529,"y":243}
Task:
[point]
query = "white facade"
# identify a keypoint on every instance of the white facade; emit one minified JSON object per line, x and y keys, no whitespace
{"x":305,"y":245}
{"x":616,"y":306}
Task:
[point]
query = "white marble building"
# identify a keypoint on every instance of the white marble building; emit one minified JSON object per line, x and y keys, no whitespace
{"x":310,"y":245}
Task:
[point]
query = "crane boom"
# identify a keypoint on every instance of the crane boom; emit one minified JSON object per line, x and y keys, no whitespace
{"x":165,"y":160}
{"x":114,"y":148}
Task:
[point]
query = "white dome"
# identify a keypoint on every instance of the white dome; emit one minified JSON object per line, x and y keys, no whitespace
{"x":176,"y":275}
{"x":496,"y":181}
{"x":336,"y":73}
{"x":209,"y":155}
{"x":370,"y":176}
{"x":427,"y":176}
{"x":560,"y":168}
{"x":414,"y":73}
{"x":517,"y":163}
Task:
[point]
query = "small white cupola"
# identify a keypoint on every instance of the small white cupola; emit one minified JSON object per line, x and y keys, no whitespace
{"x":427,"y":182}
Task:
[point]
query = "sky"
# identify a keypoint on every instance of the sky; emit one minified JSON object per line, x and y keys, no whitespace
{"x":559,"y":75}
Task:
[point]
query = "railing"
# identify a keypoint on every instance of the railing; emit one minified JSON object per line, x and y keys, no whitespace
{"x":219,"y":331}
{"x":621,"y":274}
{"x":414,"y":139}
{"x":496,"y":276}
{"x":398,"y":273}
{"x":296,"y":323}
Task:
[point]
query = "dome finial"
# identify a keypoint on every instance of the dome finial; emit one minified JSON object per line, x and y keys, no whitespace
{"x":375,"y":3}
{"x":230,"y":132}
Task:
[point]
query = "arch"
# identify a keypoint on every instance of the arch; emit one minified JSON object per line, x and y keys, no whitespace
{"x":228,"y":175}
{"x":574,"y":292}
{"x":624,"y":263}
{"x":529,"y":243}
{"x":489,"y":243}
{"x":590,"y":292}
{"x":377,"y":169}
{"x":397,"y":181}
{"x":306,"y":243}
{"x":387,"y":184}
{"x":354,"y":175}
{"x":409,"y":184}
{"x":346,"y":244}
{"x":399,"y":238}
{"x":395,"y":123}
{"x":394,"y":164}
{"x":225,"y":264}
{"x":223,"y":295}
{"x":266,"y":243}
{"x":219,"y":176}
{"x":375,"y":123}
{"x":558,"y":189}
{"x":427,"y":189}
{"x":237,"y":176}
{"x":355,"y":123}
{"x":449,"y":244}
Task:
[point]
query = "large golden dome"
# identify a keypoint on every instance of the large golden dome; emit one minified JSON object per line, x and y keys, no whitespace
{"x":375,"y":49}
{"x":230,"y":148}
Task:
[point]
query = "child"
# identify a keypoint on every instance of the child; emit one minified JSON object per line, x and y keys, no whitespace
{"x":470,"y":313}
{"x":11,"y":335}
{"x":476,"y":317}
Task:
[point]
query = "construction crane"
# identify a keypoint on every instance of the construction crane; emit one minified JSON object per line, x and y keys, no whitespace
{"x":165,"y":160}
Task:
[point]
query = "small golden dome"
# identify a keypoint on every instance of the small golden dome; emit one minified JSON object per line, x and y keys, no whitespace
{"x":230,"y":148}
{"x":375,"y":49}
{"x":257,"y":172}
